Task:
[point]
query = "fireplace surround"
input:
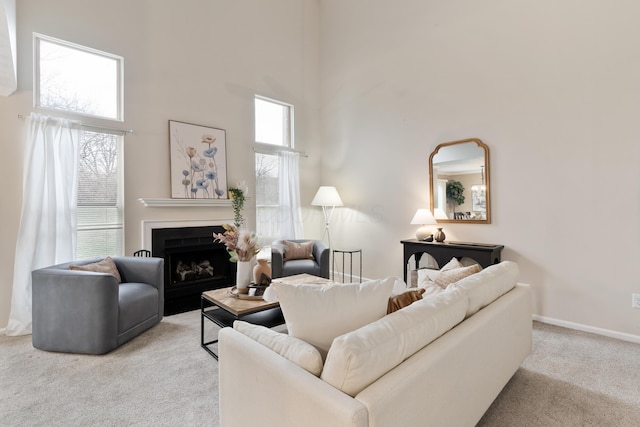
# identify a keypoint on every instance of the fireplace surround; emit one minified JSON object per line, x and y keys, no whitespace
{"x":193,"y":263}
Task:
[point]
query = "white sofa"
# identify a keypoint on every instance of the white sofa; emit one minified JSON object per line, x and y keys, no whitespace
{"x":451,"y":381}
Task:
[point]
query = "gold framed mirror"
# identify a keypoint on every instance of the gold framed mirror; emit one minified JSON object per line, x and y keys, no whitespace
{"x":459,"y":182}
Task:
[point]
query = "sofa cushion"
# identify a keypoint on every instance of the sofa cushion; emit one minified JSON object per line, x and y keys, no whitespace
{"x":445,"y":278}
{"x":105,"y":266}
{"x":319,"y":313}
{"x":298,"y":250}
{"x":293,"y":349}
{"x":488,"y":285}
{"x":358,"y":358}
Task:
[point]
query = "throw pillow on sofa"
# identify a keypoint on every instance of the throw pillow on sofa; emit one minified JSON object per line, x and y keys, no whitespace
{"x":445,"y":278}
{"x":359,"y":358}
{"x":293,"y":349}
{"x":404,"y":299}
{"x":107,"y":265}
{"x":295,"y":250}
{"x":318,"y":313}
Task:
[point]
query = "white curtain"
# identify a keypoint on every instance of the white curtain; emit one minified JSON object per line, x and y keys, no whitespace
{"x":47,"y":233}
{"x":289,"y":190}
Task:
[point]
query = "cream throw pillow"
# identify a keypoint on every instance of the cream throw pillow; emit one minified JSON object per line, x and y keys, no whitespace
{"x":297,"y":351}
{"x":318,"y":313}
{"x":452,"y":264}
{"x":359,"y":358}
{"x":445,"y":278}
{"x":105,"y":266}
{"x":488,"y":285}
{"x":294,"y":250}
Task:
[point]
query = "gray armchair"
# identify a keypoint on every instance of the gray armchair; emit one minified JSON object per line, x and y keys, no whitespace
{"x":78,"y":311}
{"x":319,"y":266}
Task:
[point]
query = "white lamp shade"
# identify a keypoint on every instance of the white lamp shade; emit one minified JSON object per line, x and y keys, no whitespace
{"x":423,"y":217}
{"x":327,"y":196}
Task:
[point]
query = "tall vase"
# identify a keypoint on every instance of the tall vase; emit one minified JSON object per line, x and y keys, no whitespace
{"x":243,"y":276}
{"x":262,"y":267}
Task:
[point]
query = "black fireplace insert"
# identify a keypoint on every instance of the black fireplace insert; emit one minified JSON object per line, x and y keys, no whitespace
{"x":193,"y":263}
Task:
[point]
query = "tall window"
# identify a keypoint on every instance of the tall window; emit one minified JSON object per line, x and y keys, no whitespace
{"x":79,"y":81}
{"x":277,"y":197}
{"x":100,"y":207}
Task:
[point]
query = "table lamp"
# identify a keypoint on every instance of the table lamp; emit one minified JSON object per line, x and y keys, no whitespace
{"x":423,"y":217}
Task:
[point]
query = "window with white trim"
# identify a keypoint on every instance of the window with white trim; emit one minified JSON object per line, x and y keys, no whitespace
{"x":79,"y":81}
{"x":273,"y":134}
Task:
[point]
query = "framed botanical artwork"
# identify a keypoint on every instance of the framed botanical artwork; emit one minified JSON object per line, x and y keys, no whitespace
{"x":198,"y":161}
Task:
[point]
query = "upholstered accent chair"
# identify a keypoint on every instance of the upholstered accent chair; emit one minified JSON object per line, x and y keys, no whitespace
{"x":77,"y":311}
{"x":282,"y":265}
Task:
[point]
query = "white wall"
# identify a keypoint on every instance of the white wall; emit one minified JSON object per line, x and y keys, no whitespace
{"x":551,"y":87}
{"x":197,"y":61}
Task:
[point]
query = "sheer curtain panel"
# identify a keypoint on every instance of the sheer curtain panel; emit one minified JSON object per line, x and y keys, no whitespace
{"x":47,"y":232}
{"x":289,"y":190}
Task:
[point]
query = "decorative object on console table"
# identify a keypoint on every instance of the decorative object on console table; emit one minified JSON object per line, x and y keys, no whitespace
{"x":197,"y":171}
{"x":439,"y":236}
{"x":423,"y":217}
{"x":483,"y":253}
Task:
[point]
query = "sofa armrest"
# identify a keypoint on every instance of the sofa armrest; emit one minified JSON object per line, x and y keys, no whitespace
{"x":321,"y":252}
{"x":149,"y":270}
{"x":74,"y":310}
{"x":277,"y":260}
{"x":259,"y":387}
{"x":142,"y":270}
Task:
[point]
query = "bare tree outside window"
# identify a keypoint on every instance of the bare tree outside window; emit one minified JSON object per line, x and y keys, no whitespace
{"x":98,"y":167}
{"x":77,"y":79}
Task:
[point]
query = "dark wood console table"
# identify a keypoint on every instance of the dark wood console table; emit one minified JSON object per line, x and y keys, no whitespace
{"x":484,"y":254}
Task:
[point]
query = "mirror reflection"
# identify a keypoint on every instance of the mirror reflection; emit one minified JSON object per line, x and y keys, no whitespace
{"x":459,"y":181}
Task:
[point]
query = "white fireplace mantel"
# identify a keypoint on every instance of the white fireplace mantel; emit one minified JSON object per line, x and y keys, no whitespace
{"x":170,"y":203}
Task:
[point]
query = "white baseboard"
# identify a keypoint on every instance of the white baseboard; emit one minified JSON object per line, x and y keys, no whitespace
{"x":585,"y":328}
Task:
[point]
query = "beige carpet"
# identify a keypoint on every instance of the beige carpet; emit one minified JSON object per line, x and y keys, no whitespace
{"x":571,"y":378}
{"x":164,"y":378}
{"x":161,"y":378}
